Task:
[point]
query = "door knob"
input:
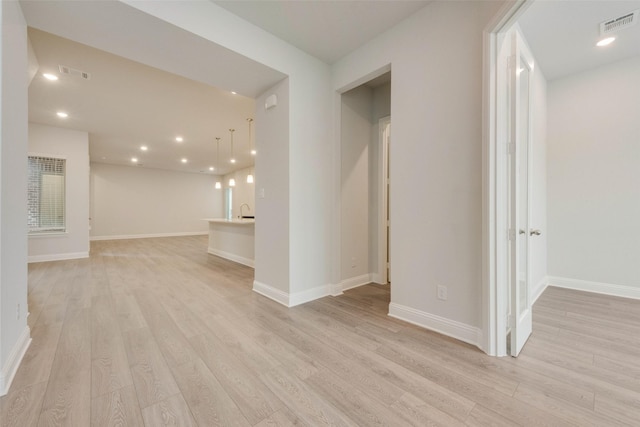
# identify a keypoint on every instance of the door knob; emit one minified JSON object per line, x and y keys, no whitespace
{"x":535,"y":233}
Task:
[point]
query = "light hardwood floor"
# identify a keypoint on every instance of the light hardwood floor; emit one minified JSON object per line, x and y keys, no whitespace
{"x":156,"y":332}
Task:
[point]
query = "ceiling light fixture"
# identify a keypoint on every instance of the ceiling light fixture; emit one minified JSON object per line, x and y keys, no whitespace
{"x":232,"y":182}
{"x":605,"y":42}
{"x":211,"y":168}
{"x":179,"y":139}
{"x":144,"y":148}
{"x":231,"y":158}
{"x":218,"y":183}
{"x":50,"y":76}
{"x":234,"y":93}
{"x":183,"y":160}
{"x":62,"y":114}
{"x":253,"y":150}
{"x":249,"y":179}
{"x":134,"y":160}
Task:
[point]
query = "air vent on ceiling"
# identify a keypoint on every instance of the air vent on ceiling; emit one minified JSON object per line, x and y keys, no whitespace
{"x":619,"y":23}
{"x":74,"y":72}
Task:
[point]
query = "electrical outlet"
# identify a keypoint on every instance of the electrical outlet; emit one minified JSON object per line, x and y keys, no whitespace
{"x":442,"y":292}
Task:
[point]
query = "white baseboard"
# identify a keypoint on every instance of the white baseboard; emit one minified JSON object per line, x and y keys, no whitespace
{"x":451,"y":328}
{"x":147,"y":236}
{"x":57,"y":257}
{"x":353,"y":282}
{"x":13,"y":362}
{"x":335,"y":290}
{"x":232,"y":257}
{"x":291,"y":300}
{"x":538,"y":289}
{"x":272,"y":293}
{"x":596,"y":287}
{"x":318,"y":292}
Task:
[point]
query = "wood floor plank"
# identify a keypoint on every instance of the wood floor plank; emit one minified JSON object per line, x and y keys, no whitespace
{"x":161,"y":333}
{"x":118,"y":408}
{"x":208,"y":400}
{"x":151,"y":375}
{"x":302,"y":401}
{"x":67,"y":400}
{"x":171,"y":412}
{"x":22,"y":406}
{"x":109,"y":365}
{"x":253,"y":398}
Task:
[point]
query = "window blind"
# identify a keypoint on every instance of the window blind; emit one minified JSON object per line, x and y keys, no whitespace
{"x":46,"y":195}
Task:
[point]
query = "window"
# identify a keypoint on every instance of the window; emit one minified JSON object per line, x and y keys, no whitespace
{"x":45,"y":198}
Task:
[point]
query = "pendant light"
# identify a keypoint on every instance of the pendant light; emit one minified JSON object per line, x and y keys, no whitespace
{"x":253,"y":150}
{"x":249,"y":179}
{"x":218,"y":183}
{"x":232,"y":159}
{"x":232,"y":182}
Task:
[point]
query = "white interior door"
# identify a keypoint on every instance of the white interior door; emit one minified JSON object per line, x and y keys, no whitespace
{"x":520,"y":162}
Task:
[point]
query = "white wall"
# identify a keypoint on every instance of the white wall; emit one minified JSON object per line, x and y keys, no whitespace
{"x":436,"y":159}
{"x":272,"y":177}
{"x":14,"y":332}
{"x":74,"y":147}
{"x":131,"y":201}
{"x":356,"y":136}
{"x":594,"y":176}
{"x":243,"y":192}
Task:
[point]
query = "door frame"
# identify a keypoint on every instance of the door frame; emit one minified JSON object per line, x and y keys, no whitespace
{"x":495,"y":253}
{"x":383,"y":199}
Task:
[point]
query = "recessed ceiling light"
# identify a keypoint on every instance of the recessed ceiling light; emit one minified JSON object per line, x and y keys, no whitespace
{"x":49,"y":76}
{"x":605,"y":42}
{"x":211,"y":168}
{"x":144,"y":148}
{"x":179,"y":139}
{"x":234,"y":93}
{"x":134,"y":160}
{"x":253,"y":152}
{"x":62,"y":114}
{"x":232,"y":160}
{"x":184,"y":160}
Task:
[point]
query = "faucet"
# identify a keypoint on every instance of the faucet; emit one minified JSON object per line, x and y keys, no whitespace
{"x":241,"y":206}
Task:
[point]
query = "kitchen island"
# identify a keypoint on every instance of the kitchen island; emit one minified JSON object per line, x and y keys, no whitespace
{"x":232,"y":239}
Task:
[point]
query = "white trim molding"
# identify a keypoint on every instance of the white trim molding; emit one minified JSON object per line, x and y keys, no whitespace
{"x":623,"y":291}
{"x":272,"y":293}
{"x":148,"y":236}
{"x":291,"y":300}
{"x":352,"y":282}
{"x":451,"y":328}
{"x":13,"y":362}
{"x":538,"y":289}
{"x":309,"y":295}
{"x":232,"y":257}
{"x":57,"y":257}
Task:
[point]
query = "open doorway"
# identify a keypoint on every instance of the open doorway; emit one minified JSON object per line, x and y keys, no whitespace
{"x":364,"y":183}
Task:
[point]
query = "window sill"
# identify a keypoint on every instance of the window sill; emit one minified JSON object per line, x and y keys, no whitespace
{"x":48,"y":234}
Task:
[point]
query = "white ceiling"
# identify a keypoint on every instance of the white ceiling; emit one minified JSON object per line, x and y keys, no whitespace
{"x":326,"y":29}
{"x":126,"y":104}
{"x":563,"y":34}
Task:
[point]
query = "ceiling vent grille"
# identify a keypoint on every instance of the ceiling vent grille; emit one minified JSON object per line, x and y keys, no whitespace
{"x":74,"y":72}
{"x":616,"y":24}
